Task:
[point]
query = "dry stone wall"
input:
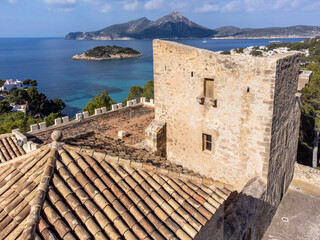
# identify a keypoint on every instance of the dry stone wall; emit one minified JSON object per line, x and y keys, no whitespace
{"x":239,"y":118}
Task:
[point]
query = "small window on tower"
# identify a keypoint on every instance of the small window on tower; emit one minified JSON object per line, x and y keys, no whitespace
{"x":208,"y":88}
{"x":207,"y":142}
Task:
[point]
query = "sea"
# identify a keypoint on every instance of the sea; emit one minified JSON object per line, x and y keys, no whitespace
{"x":76,"y":82}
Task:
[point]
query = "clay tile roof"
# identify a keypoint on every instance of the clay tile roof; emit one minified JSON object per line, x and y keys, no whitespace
{"x":9,"y":147}
{"x":80,"y":193}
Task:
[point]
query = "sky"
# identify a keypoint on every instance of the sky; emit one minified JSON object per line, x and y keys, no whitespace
{"x":56,"y":18}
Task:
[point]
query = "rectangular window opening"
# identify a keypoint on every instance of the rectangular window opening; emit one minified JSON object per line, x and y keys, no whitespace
{"x":209,"y":88}
{"x":207,"y":142}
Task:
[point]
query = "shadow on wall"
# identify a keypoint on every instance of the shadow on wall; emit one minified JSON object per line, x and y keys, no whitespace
{"x":248,"y":215}
{"x":244,"y":216}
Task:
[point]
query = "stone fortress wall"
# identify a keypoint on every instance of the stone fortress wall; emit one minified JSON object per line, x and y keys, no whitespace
{"x":83,"y":123}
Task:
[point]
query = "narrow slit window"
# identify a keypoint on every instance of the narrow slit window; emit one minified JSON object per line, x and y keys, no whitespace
{"x":207,"y":142}
{"x":208,"y":88}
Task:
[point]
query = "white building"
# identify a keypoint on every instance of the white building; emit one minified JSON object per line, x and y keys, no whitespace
{"x":10,"y":85}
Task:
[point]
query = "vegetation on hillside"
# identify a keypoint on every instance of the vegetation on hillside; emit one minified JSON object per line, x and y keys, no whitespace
{"x":10,"y":121}
{"x":107,"y":51}
{"x":312,"y":44}
{"x":38,"y":107}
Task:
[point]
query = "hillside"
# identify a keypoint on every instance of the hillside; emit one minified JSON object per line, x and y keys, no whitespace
{"x":175,"y":26}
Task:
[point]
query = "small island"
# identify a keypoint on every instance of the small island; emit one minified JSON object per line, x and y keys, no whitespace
{"x":108,"y":52}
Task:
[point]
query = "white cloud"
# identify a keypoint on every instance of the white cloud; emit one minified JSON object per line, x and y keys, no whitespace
{"x":179,"y":6}
{"x":12,"y":1}
{"x":233,"y":6}
{"x":106,"y":8}
{"x":61,"y":2}
{"x":131,"y":6}
{"x":153,"y":4}
{"x":207,"y":8}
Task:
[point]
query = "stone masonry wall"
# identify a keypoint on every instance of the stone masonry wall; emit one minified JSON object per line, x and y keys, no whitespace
{"x":240,"y":123}
{"x":285,"y":129}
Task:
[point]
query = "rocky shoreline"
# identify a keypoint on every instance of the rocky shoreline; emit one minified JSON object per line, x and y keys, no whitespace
{"x":107,"y":52}
{"x":116,"y":56}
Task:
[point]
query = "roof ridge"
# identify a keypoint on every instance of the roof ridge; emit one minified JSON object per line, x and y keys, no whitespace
{"x":102,"y":155}
{"x":37,"y":202}
{"x":5,"y":135}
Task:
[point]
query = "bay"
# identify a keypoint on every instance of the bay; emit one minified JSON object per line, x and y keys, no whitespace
{"x":48,"y":60}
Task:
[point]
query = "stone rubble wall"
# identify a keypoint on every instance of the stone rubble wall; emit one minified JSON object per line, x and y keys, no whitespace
{"x":59,"y":122}
{"x":239,"y":118}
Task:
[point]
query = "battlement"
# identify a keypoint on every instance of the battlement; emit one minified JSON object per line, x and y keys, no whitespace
{"x":59,"y":122}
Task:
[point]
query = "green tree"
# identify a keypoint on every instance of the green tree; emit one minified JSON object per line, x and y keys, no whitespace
{"x":148,"y":90}
{"x":103,"y":100}
{"x":10,"y":121}
{"x":256,"y":53}
{"x":227,"y":52}
{"x":2,"y":82}
{"x":30,"y":82}
{"x":4,"y":107}
{"x":19,"y":96}
{"x":52,"y":116}
{"x":239,"y":50}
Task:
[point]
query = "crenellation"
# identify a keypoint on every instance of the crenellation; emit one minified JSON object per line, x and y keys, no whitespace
{"x":103,"y":110}
{"x":97,"y":111}
{"x":85,"y":114}
{"x":119,"y":105}
{"x":57,"y":121}
{"x":43,"y":126}
{"x":34,"y":128}
{"x":114,"y":107}
{"x":79,"y":116}
{"x":65,"y":120}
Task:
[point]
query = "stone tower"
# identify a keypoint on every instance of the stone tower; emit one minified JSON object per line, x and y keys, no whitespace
{"x":229,"y":117}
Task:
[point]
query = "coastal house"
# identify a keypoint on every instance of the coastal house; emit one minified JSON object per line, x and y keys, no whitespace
{"x":217,"y":156}
{"x":10,"y":85}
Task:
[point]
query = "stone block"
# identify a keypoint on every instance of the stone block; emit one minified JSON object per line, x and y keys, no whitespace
{"x":134,"y":102}
{"x":97,"y":111}
{"x":122,"y":134}
{"x":119,"y":105}
{"x":114,"y":107}
{"x":103,"y":110}
{"x":143,"y":100}
{"x":79,"y":116}
{"x":129,"y":103}
{"x":57,"y":121}
{"x":34,"y":128}
{"x":85,"y":114}
{"x":43,"y":126}
{"x":152,"y":101}
{"x":65,"y":119}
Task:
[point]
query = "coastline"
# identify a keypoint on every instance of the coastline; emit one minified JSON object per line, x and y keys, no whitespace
{"x":115,"y":56}
{"x":265,"y":37}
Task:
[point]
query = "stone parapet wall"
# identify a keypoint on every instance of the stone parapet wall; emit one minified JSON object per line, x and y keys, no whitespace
{"x":64,"y":121}
{"x":132,"y":119}
{"x":307,"y":174}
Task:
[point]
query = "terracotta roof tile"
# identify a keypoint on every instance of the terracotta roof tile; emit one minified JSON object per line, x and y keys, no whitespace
{"x":80,"y":193}
{"x":9,"y":148}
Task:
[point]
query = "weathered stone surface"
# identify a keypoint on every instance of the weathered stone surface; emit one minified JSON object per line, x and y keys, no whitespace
{"x":248,"y":92}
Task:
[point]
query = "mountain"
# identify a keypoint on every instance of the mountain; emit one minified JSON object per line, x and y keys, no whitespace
{"x":175,"y":25}
{"x":272,"y":32}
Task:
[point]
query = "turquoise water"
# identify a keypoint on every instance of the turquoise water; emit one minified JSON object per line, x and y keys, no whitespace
{"x":48,"y":60}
